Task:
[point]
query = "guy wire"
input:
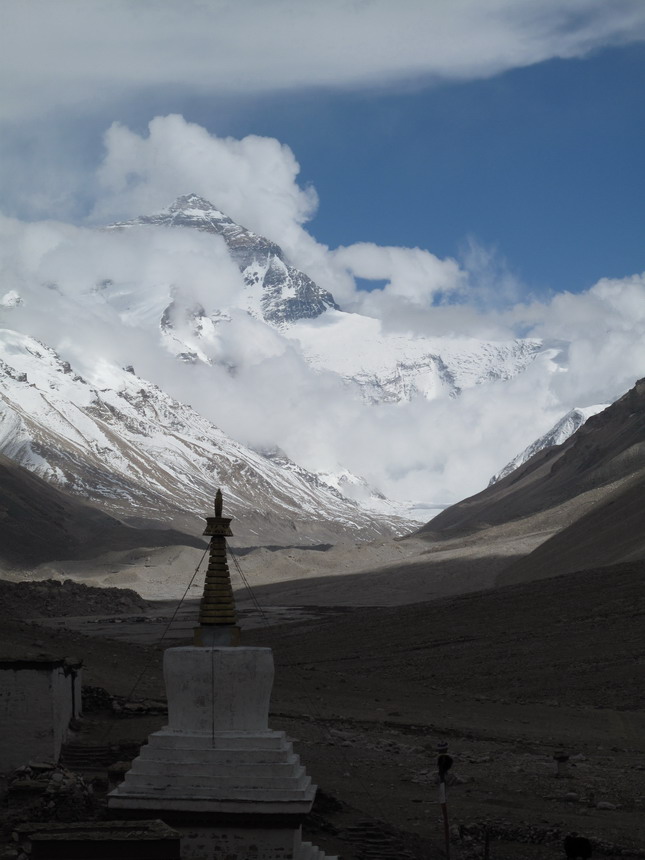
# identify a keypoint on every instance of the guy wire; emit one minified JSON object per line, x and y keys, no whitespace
{"x":147,"y":663}
{"x":320,"y":719}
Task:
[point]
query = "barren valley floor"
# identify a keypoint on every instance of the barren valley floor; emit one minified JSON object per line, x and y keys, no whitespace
{"x":506,"y":677}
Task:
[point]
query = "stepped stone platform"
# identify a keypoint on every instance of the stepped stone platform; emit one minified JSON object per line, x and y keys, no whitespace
{"x":222,"y":772}
{"x":231,"y":785}
{"x":217,"y":753}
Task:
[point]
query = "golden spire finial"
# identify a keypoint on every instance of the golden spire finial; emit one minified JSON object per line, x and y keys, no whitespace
{"x":217,"y":616}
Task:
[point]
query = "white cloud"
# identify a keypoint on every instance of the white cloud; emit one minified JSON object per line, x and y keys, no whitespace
{"x":490,"y":281}
{"x":603,"y":330}
{"x":415,"y":278}
{"x":253,"y":180}
{"x":80,"y":286}
{"x":437,"y":451}
{"x":58,"y":54}
{"x":97,"y":295}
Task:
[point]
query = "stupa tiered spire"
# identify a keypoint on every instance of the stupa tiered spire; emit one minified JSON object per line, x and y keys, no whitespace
{"x":217,"y":614}
{"x":217,"y":773}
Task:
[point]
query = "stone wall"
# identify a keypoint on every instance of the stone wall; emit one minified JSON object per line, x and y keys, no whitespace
{"x":236,"y":843}
{"x":38,"y":698}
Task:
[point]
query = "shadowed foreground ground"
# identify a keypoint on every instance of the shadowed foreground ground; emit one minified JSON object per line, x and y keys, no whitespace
{"x":506,"y":677}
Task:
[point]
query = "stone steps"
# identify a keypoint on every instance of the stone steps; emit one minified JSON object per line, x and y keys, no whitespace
{"x":77,"y":756}
{"x":215,"y":784}
{"x":230,"y":770}
{"x":216,"y":757}
{"x":308,"y":851}
{"x":221,"y":766}
{"x":268,"y":740}
{"x":215,"y":793}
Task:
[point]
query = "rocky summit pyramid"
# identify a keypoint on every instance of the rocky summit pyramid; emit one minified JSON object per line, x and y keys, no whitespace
{"x":380,"y":366}
{"x":275,"y":291}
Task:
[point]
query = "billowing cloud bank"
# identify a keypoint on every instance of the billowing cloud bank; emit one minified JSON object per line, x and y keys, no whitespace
{"x":105,"y":46}
{"x":96,"y":296}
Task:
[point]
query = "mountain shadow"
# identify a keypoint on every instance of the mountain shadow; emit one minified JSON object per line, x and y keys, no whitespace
{"x":585,"y":495}
{"x":39,"y":523}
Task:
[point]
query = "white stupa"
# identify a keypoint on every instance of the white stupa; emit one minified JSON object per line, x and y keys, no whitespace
{"x":234,"y":788}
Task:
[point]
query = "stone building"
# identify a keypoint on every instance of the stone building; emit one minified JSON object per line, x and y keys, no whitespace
{"x":38,"y":699}
{"x":217,"y":773}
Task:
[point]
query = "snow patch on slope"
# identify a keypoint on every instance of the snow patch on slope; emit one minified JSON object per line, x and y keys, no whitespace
{"x":390,"y":367}
{"x":369,"y":498}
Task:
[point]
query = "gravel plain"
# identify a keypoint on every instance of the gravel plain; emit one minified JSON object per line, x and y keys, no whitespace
{"x":507,"y":677}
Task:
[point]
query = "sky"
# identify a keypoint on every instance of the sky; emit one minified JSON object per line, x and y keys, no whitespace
{"x":452,"y":167}
{"x":512,"y":122}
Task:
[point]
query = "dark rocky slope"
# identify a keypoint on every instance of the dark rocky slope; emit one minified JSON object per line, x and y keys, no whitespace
{"x":39,"y":523}
{"x":586,"y":495}
{"x":610,"y":533}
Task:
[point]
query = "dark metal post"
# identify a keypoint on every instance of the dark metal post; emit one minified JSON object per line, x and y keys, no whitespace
{"x":444,"y":763}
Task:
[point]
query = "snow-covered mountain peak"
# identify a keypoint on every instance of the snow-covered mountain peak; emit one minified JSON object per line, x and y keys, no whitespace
{"x":379,"y":366}
{"x":190,"y":202}
{"x":191,"y":210}
{"x":274,"y":290}
{"x":394,"y":367}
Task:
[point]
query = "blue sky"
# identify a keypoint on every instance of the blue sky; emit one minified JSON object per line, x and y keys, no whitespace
{"x":544,"y":163}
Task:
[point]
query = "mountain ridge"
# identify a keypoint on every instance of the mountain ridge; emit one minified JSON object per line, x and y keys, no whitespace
{"x":41,"y":523}
{"x":559,"y":433}
{"x":584,"y":496}
{"x":118,"y":455}
{"x":147,"y":459}
{"x":381,"y":367}
{"x":607,"y":448}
